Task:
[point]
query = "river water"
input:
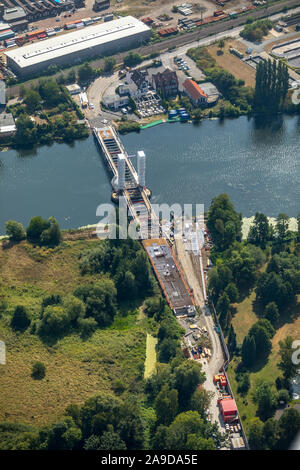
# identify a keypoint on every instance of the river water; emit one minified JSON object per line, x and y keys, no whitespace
{"x":257,"y":164}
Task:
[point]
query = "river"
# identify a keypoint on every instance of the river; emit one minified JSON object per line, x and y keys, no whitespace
{"x":258,"y":165}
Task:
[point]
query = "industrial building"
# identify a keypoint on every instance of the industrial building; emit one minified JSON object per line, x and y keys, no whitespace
{"x":101,"y":39}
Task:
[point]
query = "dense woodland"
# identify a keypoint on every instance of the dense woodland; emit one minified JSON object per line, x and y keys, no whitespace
{"x":267,"y":263}
{"x":165,"y":411}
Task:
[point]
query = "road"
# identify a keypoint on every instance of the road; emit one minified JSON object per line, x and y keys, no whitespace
{"x":216,"y":362}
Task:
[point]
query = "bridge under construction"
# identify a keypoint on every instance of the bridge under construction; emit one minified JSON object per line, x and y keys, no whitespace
{"x":128,"y":182}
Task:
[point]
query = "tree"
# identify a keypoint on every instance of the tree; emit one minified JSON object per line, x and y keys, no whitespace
{"x":282,"y":226}
{"x":289,"y":423}
{"x":26,"y":133}
{"x":132,"y":59}
{"x":74,"y":307}
{"x":185,"y":424}
{"x":111,"y":440}
{"x":270,"y":433}
{"x":255,"y":435}
{"x":168,"y":349}
{"x":51,"y":92}
{"x":166,"y":405}
{"x":38,"y":370}
{"x":261,"y":335}
{"x":71,"y":76}
{"x":223,"y":310}
{"x":272,"y":84}
{"x":232,"y":292}
{"x":266,"y":399}
{"x":87,"y":326}
{"x":15,"y":230}
{"x":55,"y":320}
{"x":248,"y":351}
{"x":286,"y":365}
{"x":20,"y":320}
{"x":85,"y":73}
{"x":271,"y":312}
{"x":201,"y":401}
{"x":224,"y":222}
{"x":259,"y":232}
{"x":35,"y":229}
{"x":188,"y":376}
{"x":100,"y":299}
{"x":52,"y":235}
{"x":92,"y":443}
{"x":232,"y":343}
{"x":109,"y":63}
{"x":32,"y":100}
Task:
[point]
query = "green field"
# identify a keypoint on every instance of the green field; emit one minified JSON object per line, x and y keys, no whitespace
{"x":76,"y":368}
{"x":242,"y":322}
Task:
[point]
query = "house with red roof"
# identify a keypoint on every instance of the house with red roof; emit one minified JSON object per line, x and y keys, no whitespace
{"x":194,"y":92}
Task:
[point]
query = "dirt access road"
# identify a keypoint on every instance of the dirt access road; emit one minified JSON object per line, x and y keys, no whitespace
{"x":193,"y":278}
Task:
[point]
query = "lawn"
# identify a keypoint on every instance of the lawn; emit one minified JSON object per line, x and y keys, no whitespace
{"x":232,"y":63}
{"x":244,"y":318}
{"x":75,"y":368}
{"x":242,"y":322}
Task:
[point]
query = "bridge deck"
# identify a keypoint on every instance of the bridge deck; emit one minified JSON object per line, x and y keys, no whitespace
{"x":136,"y":197}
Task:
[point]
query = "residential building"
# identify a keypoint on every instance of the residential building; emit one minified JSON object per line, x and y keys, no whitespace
{"x":115,"y":101}
{"x":140,"y":78}
{"x":165,"y":83}
{"x":130,"y":89}
{"x":194,"y":92}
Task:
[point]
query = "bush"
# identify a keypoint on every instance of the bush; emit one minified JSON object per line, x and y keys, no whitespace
{"x":20,"y":320}
{"x":15,"y":231}
{"x":38,"y":370}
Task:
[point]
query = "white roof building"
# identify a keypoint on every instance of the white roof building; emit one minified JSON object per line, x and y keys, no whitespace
{"x":105,"y":38}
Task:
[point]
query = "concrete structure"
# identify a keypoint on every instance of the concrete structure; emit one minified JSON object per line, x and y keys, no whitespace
{"x":2,"y":94}
{"x":141,"y":168}
{"x":73,"y":89}
{"x":7,"y":125}
{"x":121,"y":171}
{"x":77,"y":46}
{"x":194,"y":92}
{"x":166,"y":83}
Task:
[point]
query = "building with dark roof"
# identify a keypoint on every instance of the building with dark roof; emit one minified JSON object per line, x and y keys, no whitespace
{"x":194,"y":92}
{"x":166,"y":83}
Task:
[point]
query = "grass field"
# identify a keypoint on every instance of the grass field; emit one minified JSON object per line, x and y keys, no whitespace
{"x":232,"y":63}
{"x":242,"y":322}
{"x":150,"y":356}
{"x":76,"y":368}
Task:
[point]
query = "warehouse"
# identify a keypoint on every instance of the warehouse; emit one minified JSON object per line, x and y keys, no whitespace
{"x":102,"y":39}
